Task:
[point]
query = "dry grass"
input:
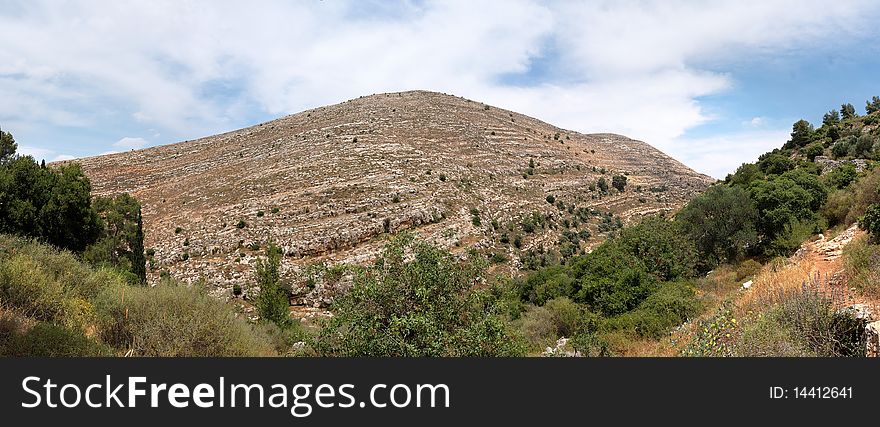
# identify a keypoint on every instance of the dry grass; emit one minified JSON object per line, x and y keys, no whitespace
{"x":775,"y":279}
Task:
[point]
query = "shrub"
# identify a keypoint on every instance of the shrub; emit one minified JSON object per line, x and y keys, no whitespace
{"x":814,"y":320}
{"x":551,"y":199}
{"x":841,"y":176}
{"x":665,"y":249}
{"x":48,"y":340}
{"x":175,"y":321}
{"x":35,"y":292}
{"x":417,"y":300}
{"x":261,"y":214}
{"x":619,"y":182}
{"x":536,"y":326}
{"x":566,"y":316}
{"x":241,"y":224}
{"x":861,"y":261}
{"x":602,"y":184}
{"x":273,"y":304}
{"x":768,"y":337}
{"x":870,"y":222}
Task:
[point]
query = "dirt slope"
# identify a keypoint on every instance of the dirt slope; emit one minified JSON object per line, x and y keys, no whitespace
{"x":326,"y":184}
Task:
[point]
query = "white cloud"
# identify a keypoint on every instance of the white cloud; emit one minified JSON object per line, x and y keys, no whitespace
{"x":131,"y":143}
{"x":713,"y":155}
{"x":36,"y":152}
{"x":631,"y":67}
{"x":757,"y":122}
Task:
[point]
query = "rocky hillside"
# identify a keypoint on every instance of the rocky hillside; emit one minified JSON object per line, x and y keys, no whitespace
{"x":327,"y":184}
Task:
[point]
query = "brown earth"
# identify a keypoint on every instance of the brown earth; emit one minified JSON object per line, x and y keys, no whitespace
{"x":327,"y":184}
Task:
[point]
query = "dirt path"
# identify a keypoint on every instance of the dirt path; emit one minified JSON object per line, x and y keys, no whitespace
{"x":826,"y":256}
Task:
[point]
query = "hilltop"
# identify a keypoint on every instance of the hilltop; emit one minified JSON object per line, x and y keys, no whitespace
{"x":327,"y":184}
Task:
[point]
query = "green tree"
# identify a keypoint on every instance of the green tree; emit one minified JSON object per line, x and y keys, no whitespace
{"x":775,"y":164}
{"x":722,"y":223}
{"x":745,"y":174}
{"x":602,"y":184}
{"x":801,"y":134}
{"x":7,"y":146}
{"x":843,"y":147}
{"x":663,"y":246}
{"x":122,"y":240}
{"x":273,"y":303}
{"x":813,"y":150}
{"x":863,"y":146}
{"x":873,"y":105}
{"x":67,"y":219}
{"x":418,"y":300}
{"x":781,"y":203}
{"x":847,"y":111}
{"x":831,"y":118}
{"x":618,"y":182}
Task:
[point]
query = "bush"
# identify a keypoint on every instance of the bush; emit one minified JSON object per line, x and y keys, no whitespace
{"x":273,"y":304}
{"x":618,"y":182}
{"x":417,"y":300}
{"x":661,"y":244}
{"x":536,"y":326}
{"x":670,"y":305}
{"x":175,"y":321}
{"x":48,"y":340}
{"x":861,"y":262}
{"x":841,"y":176}
{"x":566,"y":316}
{"x":769,"y":337}
{"x":870,"y":222}
{"x":813,"y":320}
{"x":34,"y":292}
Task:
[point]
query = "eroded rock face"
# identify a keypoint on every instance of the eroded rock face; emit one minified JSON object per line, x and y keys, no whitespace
{"x":327,"y":184}
{"x":828,"y":163}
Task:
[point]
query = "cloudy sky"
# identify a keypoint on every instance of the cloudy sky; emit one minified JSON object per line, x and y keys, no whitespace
{"x":713,"y":83}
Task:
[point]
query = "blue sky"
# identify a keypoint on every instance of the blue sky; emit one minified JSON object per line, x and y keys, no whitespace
{"x":711,"y":83}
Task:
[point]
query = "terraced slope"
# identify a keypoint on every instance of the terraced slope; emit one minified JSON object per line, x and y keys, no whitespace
{"x":327,"y":184}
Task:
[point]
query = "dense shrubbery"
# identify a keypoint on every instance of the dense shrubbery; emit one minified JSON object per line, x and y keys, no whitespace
{"x":426,"y":306}
{"x":54,"y":205}
{"x":68,"y":301}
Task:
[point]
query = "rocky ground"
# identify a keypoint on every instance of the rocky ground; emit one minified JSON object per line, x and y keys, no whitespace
{"x":328,"y":184}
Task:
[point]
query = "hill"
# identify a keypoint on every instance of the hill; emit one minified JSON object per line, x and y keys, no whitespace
{"x":327,"y":184}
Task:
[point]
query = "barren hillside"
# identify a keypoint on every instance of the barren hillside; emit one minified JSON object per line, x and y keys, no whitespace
{"x":327,"y":184}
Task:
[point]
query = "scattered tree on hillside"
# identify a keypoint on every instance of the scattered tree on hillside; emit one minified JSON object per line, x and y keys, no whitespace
{"x":618,"y":182}
{"x":602,"y":184}
{"x":801,"y":134}
{"x":873,"y":105}
{"x":831,"y":118}
{"x":847,"y":111}
{"x":273,"y":303}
